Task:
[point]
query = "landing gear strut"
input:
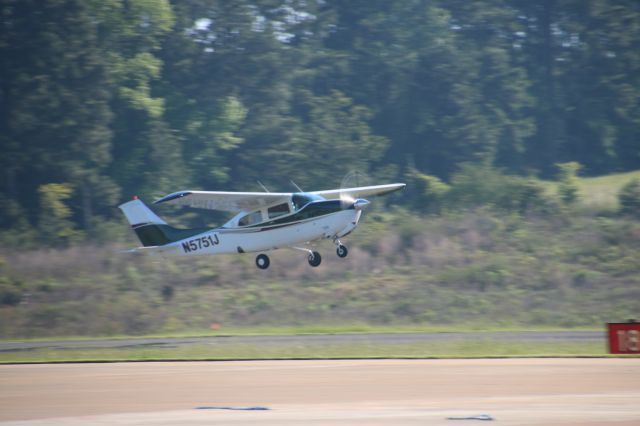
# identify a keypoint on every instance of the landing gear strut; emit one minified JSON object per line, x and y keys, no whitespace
{"x":262,"y":261}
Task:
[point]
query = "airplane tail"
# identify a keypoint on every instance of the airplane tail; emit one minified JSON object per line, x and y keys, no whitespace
{"x":150,"y":229}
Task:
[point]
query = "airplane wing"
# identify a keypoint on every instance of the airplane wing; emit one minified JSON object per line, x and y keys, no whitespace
{"x":248,"y":201}
{"x":225,"y":201}
{"x":361,"y":192}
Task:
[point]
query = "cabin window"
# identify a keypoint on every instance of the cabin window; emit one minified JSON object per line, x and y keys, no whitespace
{"x":251,"y":219}
{"x":300,"y":200}
{"x":279,"y":210}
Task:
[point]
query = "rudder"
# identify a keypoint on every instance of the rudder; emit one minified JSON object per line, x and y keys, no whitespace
{"x":150,"y":229}
{"x":147,"y":225}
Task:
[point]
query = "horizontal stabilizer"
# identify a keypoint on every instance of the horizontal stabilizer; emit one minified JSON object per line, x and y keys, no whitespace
{"x":152,"y":250}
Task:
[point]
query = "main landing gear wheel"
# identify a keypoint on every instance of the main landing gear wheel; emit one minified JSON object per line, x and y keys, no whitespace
{"x":342,"y":251}
{"x":314,"y":258}
{"x":262,"y":261}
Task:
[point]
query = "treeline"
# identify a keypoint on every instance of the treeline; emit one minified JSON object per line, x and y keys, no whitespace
{"x":103,"y":99}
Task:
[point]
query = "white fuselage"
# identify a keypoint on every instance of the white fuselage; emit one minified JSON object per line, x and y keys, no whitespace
{"x":244,"y":240}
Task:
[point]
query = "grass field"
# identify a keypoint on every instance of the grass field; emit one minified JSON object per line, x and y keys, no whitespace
{"x":602,"y":192}
{"x":472,"y":348}
{"x":314,"y":329}
{"x":475,"y":346}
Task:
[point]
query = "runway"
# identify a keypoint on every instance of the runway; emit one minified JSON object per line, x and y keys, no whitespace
{"x":569,"y":392}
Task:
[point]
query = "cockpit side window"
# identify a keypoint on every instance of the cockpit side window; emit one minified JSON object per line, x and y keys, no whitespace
{"x":279,"y":210}
{"x":251,"y":219}
{"x":299,"y":200}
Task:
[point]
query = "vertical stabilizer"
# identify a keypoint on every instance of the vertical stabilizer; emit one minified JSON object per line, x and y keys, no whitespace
{"x":150,"y":229}
{"x":147,"y":225}
{"x":138,"y":214}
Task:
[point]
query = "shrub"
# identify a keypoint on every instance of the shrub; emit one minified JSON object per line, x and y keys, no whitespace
{"x":430,"y":192}
{"x":475,"y":186}
{"x":568,"y":177}
{"x":522,"y":195}
{"x":629,"y":198}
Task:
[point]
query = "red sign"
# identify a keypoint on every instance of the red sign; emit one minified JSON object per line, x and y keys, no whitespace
{"x":624,"y":338}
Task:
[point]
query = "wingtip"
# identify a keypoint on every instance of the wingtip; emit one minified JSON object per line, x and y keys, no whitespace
{"x":172,"y":196}
{"x":398,"y":186}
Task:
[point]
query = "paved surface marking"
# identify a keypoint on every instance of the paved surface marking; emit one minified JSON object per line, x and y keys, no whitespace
{"x":570,"y":392}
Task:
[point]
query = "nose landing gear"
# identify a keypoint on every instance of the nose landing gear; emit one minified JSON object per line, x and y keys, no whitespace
{"x":341,"y":249}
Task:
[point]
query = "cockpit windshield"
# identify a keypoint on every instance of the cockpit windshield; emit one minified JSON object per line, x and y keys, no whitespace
{"x":301,"y":199}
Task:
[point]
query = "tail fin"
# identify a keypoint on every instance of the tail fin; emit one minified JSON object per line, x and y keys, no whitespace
{"x":147,"y":224}
{"x":150,"y":229}
{"x":138,"y":214}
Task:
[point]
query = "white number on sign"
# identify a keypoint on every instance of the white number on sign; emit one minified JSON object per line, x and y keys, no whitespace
{"x":628,"y":341}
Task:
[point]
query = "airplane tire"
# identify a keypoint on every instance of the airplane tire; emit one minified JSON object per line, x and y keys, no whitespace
{"x":262,"y":261}
{"x":314,"y":258}
{"x":342,"y":251}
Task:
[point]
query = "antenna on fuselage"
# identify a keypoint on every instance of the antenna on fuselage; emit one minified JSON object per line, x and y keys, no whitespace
{"x":294,"y":184}
{"x":263,"y":187}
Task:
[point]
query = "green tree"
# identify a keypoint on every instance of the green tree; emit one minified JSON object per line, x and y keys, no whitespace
{"x":55,"y":223}
{"x":330,"y":139}
{"x":567,"y":177}
{"x":583,"y":61}
{"x":602,"y":85}
{"x":225,"y":81}
{"x":209,"y":137}
{"x":123,"y":97}
{"x":55,"y":114}
{"x":146,"y":152}
{"x":442,"y":86}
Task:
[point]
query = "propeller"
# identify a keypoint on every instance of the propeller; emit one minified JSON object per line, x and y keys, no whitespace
{"x":353,"y":179}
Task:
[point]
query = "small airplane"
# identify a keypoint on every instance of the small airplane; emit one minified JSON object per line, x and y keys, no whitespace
{"x":266,"y":221}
